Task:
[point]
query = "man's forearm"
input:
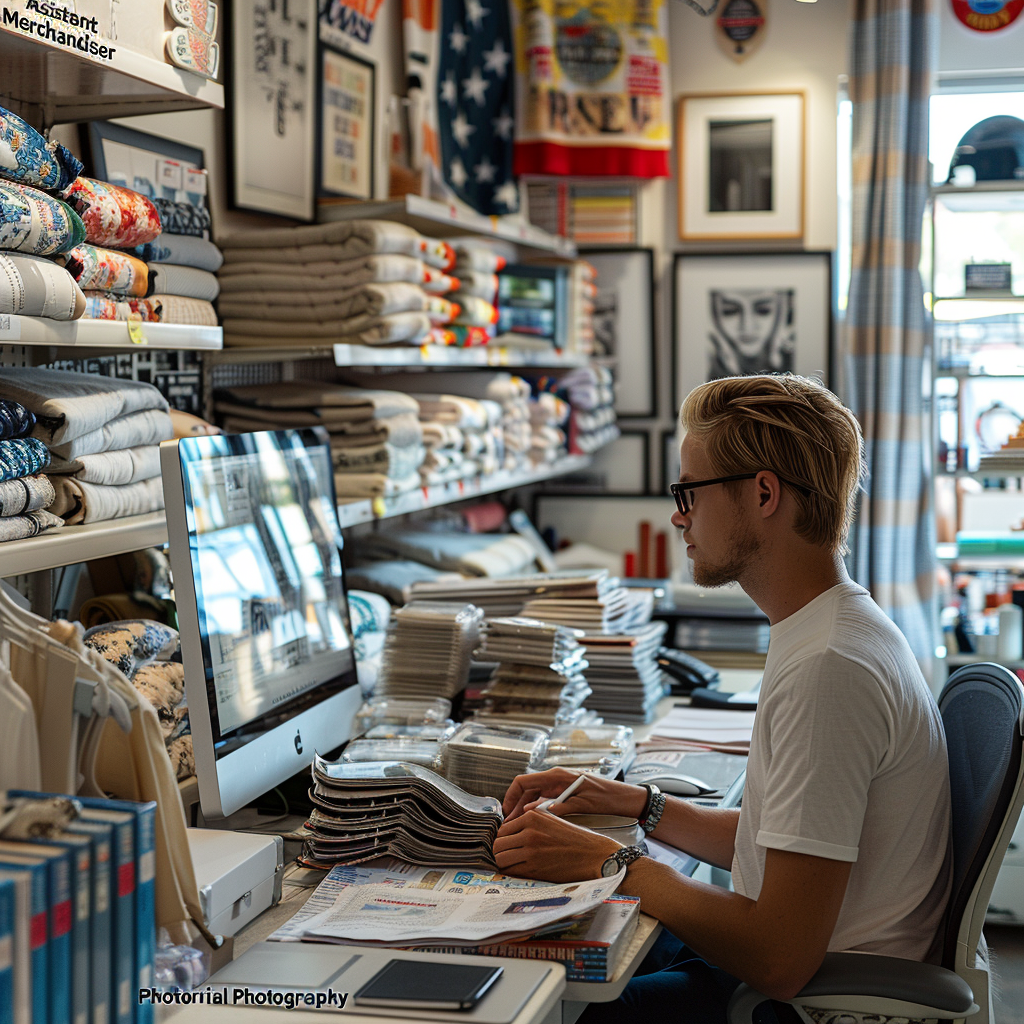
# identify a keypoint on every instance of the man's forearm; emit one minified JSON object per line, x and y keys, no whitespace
{"x":707,"y":833}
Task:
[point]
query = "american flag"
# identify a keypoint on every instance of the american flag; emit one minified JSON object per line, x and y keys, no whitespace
{"x":474,"y":103}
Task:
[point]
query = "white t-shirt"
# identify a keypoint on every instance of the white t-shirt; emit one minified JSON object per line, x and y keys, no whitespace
{"x":848,"y":762}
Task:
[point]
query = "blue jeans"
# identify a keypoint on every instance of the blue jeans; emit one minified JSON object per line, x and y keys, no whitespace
{"x":675,"y":986}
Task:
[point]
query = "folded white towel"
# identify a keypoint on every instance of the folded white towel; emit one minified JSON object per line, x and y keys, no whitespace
{"x":150,"y":426}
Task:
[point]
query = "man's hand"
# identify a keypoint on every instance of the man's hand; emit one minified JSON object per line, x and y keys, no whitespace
{"x":596,"y":795}
{"x":540,"y":845}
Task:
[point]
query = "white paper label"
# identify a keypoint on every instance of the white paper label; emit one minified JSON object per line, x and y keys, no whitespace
{"x":170,"y":173}
{"x":10,"y":327}
{"x":195,"y":181}
{"x":147,"y":866}
{"x":5,"y":952}
{"x":124,"y":998}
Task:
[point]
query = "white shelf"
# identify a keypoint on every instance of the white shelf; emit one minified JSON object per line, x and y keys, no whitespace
{"x":958,"y":308}
{"x":444,"y":355}
{"x":52,"y":84}
{"x":434,"y":218}
{"x":72,"y":544}
{"x":34,"y":330}
{"x":367,"y":510}
{"x":998,"y":196}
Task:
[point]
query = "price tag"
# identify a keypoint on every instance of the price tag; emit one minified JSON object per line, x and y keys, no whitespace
{"x":169,"y":173}
{"x":135,"y":332}
{"x":10,"y":327}
{"x":379,"y":507}
{"x":195,"y":181}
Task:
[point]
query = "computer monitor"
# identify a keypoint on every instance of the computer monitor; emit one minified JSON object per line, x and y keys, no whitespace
{"x":255,"y":550}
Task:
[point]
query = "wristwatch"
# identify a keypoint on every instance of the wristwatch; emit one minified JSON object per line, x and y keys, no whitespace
{"x":653,"y":808}
{"x":622,"y":857}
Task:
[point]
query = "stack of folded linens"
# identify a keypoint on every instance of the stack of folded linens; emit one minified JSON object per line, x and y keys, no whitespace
{"x":366,"y":282}
{"x":24,"y":492}
{"x":103,"y":435}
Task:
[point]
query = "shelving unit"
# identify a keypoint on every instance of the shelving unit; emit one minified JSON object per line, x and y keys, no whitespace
{"x":404,"y":356}
{"x":113,"y":334}
{"x":434,"y":218}
{"x":51,"y":84}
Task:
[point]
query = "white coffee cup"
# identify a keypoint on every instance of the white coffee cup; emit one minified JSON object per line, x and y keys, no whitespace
{"x":625,"y":831}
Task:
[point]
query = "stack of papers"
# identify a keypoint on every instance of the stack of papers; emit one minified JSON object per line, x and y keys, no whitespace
{"x":620,"y":610}
{"x":623,"y":674}
{"x":482,"y":758}
{"x":507,"y":595}
{"x":704,"y":728}
{"x":428,"y":650}
{"x":377,"y":808}
{"x":393,"y":904}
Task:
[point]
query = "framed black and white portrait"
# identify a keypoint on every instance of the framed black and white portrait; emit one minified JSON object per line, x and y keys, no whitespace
{"x":624,"y":324}
{"x":752,"y":313}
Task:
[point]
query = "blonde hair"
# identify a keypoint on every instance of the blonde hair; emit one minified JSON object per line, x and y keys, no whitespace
{"x":793,"y":426}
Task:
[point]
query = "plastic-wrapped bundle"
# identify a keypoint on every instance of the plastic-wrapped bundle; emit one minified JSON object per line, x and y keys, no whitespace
{"x":114,"y":216}
{"x":33,"y":222}
{"x":26,"y":157}
{"x":104,"y":270}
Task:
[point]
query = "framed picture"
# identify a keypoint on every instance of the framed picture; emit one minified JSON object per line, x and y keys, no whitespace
{"x":156,"y":167}
{"x":741,"y":166}
{"x":345,"y":138}
{"x":670,"y":442}
{"x":272,"y":106}
{"x":624,"y":325}
{"x":620,"y":467}
{"x":752,"y":313}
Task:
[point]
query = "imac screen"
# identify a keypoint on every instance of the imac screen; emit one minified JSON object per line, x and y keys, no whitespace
{"x":265,"y":549}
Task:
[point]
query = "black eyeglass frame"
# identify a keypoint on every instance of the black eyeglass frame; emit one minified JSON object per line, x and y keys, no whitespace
{"x":679,"y":489}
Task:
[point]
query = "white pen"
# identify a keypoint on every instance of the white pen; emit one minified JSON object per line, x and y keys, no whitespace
{"x":564,"y":795}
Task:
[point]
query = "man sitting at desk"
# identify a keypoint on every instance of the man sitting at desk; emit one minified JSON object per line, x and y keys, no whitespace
{"x":842,"y":841}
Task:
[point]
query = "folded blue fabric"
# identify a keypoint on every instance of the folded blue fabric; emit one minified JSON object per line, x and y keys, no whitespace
{"x":15,"y":419}
{"x":22,"y":456}
{"x":31,"y":160}
{"x":185,"y":250}
{"x":183,"y":218}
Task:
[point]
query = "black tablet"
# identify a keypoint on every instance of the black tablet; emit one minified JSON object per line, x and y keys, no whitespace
{"x":430,"y":984}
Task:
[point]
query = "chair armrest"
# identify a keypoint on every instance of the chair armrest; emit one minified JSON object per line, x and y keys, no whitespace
{"x":870,"y":977}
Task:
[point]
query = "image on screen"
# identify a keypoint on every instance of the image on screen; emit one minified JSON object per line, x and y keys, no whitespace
{"x":266,"y":561}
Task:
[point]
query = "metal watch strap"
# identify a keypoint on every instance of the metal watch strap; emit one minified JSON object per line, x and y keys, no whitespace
{"x":652,"y":792}
{"x":655,"y":810}
{"x":627,"y":854}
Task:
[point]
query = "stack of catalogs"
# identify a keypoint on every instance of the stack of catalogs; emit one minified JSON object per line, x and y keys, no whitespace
{"x":428,"y":649}
{"x":483,"y":758}
{"x":539,"y":679}
{"x":387,"y":808}
{"x":623,"y":674}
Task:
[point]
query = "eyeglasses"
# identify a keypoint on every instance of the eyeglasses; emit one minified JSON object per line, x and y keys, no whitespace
{"x":683,"y":492}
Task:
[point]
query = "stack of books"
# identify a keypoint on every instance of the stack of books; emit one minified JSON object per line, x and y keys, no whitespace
{"x":625,"y":678}
{"x":388,"y":808}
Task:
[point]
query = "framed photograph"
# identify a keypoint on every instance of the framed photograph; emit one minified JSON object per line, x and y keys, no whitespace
{"x":620,"y":467}
{"x":272,"y":106}
{"x":670,"y":442}
{"x":741,"y":166}
{"x":156,"y":167}
{"x":624,"y":325}
{"x":345,"y":138}
{"x":751,"y":313}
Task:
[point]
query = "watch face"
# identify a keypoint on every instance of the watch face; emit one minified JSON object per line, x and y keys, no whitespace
{"x":609,"y":867}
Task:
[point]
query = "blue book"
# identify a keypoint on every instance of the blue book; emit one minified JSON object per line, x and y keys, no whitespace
{"x":38,"y":936}
{"x":22,"y":882}
{"x":123,"y":994}
{"x":57,"y":865}
{"x":7,"y":898}
{"x":101,"y":939}
{"x":80,"y":849}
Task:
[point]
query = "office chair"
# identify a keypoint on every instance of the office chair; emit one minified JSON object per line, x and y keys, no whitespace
{"x":982,"y":708}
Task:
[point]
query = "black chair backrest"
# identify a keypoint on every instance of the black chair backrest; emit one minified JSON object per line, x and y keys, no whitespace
{"x":981,"y":709}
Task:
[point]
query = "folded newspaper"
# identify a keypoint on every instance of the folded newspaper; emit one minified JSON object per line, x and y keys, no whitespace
{"x":392,"y":903}
{"x":371,"y":809}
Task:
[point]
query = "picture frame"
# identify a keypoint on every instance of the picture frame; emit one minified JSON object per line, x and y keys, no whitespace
{"x":740,"y":313}
{"x":670,"y":442}
{"x":346,"y":102}
{"x":625,"y":296}
{"x":158,"y":168}
{"x":742,"y":166}
{"x":618,"y":468}
{"x":272,"y":94}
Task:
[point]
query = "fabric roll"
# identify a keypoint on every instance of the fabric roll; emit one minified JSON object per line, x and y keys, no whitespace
{"x":479,"y":283}
{"x":475,"y":312}
{"x":29,"y":525}
{"x":338,"y":240}
{"x":15,"y":420}
{"x":33,"y":222}
{"x":105,"y":270}
{"x":465,"y":413}
{"x":373,"y":485}
{"x":114,"y":216}
{"x":374,"y":299}
{"x":172,"y":279}
{"x":76,"y":501}
{"x":442,"y":435}
{"x":183,"y":218}
{"x":34,"y":286}
{"x":22,"y":456}
{"x":382,"y":458}
{"x":26,"y":157}
{"x":478,"y":258}
{"x":26,"y":494}
{"x":123,"y":466}
{"x":181,"y":309}
{"x":106,"y":306}
{"x":185,"y":250}
{"x":404,"y":429}
{"x":407,"y":328}
{"x":361,"y":403}
{"x":68,"y":405}
{"x":150,"y":426}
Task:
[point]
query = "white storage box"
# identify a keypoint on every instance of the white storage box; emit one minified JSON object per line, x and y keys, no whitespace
{"x":239,"y":876}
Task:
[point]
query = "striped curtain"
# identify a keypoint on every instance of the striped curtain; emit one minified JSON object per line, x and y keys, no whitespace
{"x":885,"y":338}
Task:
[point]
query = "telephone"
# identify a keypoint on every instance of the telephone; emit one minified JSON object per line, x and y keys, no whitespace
{"x":685,"y":671}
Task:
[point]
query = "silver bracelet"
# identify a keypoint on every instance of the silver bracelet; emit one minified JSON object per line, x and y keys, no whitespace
{"x":654,"y":813}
